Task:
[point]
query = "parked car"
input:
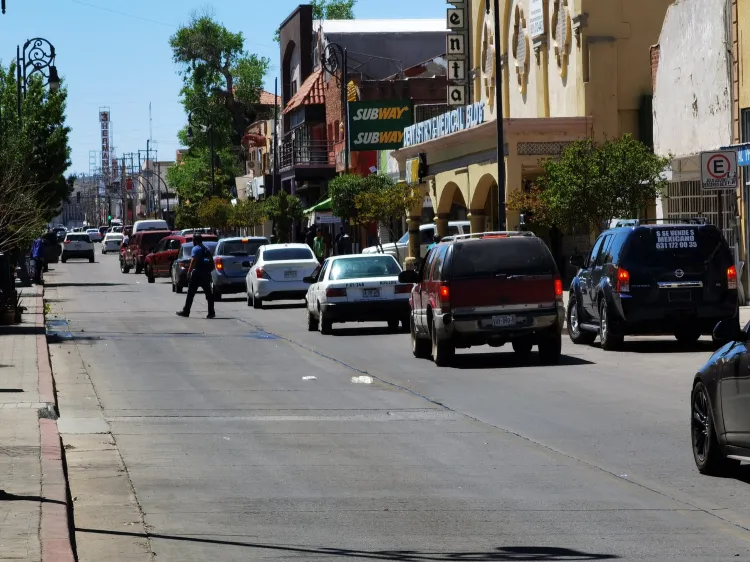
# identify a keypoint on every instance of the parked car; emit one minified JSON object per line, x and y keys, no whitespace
{"x":191,"y":231}
{"x":181,"y":264}
{"x":77,"y":245}
{"x":232,"y":260}
{"x":94,"y":234}
{"x":426,"y":237}
{"x":152,"y":224}
{"x":159,"y":262}
{"x":60,"y":232}
{"x":278,"y":273}
{"x":357,"y":288}
{"x":111,"y":242}
{"x":676,"y":279}
{"x":489,"y":288}
{"x":140,"y":245}
{"x":720,"y":403}
{"x":52,"y":248}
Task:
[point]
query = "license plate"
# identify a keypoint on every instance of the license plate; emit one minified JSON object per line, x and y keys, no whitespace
{"x":370,"y":293}
{"x":680,"y":296}
{"x":290,"y":275}
{"x":503,"y":321}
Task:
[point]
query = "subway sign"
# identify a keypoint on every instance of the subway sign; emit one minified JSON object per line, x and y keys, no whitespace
{"x":378,"y":125}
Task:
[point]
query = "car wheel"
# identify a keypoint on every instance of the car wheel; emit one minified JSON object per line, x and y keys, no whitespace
{"x":150,"y":275}
{"x":138,"y":269}
{"x":577,"y":336}
{"x":393,"y":325}
{"x":442,"y":351}
{"x":609,"y":340}
{"x":104,"y":251}
{"x":550,"y":348}
{"x":324,"y":324}
{"x":257,"y":302}
{"x":92,"y":259}
{"x":63,"y":260}
{"x":420,"y":347}
{"x":124,"y":268}
{"x":312,"y":322}
{"x":687,"y":335}
{"x":249,"y":300}
{"x":522,"y":346}
{"x":709,"y":458}
{"x":178,"y":288}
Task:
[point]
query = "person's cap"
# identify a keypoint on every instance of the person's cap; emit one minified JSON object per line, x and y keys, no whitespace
{"x":197,"y":238}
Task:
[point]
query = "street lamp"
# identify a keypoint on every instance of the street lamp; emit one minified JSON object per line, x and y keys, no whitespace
{"x":334,"y":58}
{"x":501,"y":213}
{"x":36,"y":57}
{"x":205,"y":128}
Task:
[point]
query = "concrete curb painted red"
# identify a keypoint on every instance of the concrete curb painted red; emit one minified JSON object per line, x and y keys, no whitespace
{"x":55,"y":523}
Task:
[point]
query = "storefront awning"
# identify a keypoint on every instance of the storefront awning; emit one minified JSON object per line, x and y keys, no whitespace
{"x":322,"y":206}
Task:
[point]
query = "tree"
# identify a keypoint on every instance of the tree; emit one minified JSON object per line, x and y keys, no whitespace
{"x":590,"y":184}
{"x":343,"y":191}
{"x":284,"y":210}
{"x":247,"y":213}
{"x":215,"y":213}
{"x":186,"y":216}
{"x":329,"y":10}
{"x":384,"y":202}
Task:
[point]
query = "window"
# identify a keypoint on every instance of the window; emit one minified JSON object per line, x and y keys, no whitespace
{"x":161,"y":246}
{"x":174,"y":244}
{"x":354,"y":268}
{"x":283,"y":254}
{"x":618,"y":241}
{"x":453,"y":230}
{"x":509,"y":256}
{"x":336,"y":129}
{"x":322,"y":272}
{"x":594,"y":252}
{"x":439,"y":260}
{"x":426,"y":235}
{"x":240,"y":248}
{"x":427,"y":264}
{"x":601,"y":258}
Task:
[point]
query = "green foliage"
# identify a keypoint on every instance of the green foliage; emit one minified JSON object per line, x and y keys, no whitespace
{"x":284,"y":210}
{"x":592,"y":183}
{"x":247,"y":214}
{"x":215,"y":213}
{"x":221,"y":86}
{"x":343,"y":191}
{"x":329,"y":10}
{"x":186,"y":216}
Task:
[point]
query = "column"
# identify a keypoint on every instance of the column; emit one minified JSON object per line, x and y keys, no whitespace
{"x":477,"y":220}
{"x":413,"y":223}
{"x":441,"y":223}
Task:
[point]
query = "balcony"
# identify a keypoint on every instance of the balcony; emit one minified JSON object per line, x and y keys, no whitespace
{"x":296,"y":152}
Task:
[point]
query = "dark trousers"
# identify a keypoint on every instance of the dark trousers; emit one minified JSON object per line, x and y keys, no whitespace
{"x":38,"y":268}
{"x":202,"y":281}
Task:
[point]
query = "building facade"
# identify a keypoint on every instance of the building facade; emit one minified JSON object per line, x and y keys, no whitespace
{"x":571,"y":69}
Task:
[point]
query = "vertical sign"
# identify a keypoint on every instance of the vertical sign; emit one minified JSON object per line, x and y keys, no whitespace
{"x":457,"y":52}
{"x":104,"y":122}
{"x":536,"y":18}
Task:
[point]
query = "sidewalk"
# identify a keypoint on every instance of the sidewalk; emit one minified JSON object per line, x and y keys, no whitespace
{"x":33,"y":500}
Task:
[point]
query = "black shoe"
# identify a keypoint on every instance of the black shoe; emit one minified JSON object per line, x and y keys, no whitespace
{"x":211,"y":315}
{"x":182,"y":313}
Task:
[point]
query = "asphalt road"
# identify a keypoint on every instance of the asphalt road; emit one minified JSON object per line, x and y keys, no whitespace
{"x":235,"y":454}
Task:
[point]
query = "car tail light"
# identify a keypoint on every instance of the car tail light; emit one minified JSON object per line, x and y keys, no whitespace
{"x":260,"y":273}
{"x":558,"y":289}
{"x":335,"y":292}
{"x":444,"y":294}
{"x":623,"y":281}
{"x":67,"y":242}
{"x":402,"y":289}
{"x":731,"y":277}
{"x":219,"y":264}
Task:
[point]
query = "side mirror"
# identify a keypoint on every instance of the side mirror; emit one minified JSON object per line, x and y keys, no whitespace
{"x":729,"y":331}
{"x":408,"y":276}
{"x":310,"y":279}
{"x":577,"y":261}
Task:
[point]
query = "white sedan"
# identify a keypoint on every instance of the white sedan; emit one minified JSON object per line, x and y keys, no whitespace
{"x":278,"y":272}
{"x":358,"y":288}
{"x":112,"y":242}
{"x":94,"y":234}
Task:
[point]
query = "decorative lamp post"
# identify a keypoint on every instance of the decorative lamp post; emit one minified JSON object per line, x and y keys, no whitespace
{"x":36,"y":57}
{"x":501,"y":212}
{"x":333,"y":59}
{"x":202,"y":113}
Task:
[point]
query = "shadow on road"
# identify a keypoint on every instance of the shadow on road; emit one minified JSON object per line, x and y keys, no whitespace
{"x":540,"y":553}
{"x":284,"y":306}
{"x":370,"y":331}
{"x":21,"y":330}
{"x":58,"y":285}
{"x":665,"y":346}
{"x":508,"y":360}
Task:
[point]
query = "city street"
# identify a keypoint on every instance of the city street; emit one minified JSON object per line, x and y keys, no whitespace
{"x":248,"y":437}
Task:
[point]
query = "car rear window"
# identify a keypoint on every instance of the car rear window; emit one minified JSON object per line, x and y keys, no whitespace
{"x":284,"y":254}
{"x":509,"y":256}
{"x":353,"y":268}
{"x":240,"y":248}
{"x":152,"y":239}
{"x":187,"y":249}
{"x":674,"y":247}
{"x":79,"y":238}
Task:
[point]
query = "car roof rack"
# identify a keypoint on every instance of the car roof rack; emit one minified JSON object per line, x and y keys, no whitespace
{"x":679,"y":220}
{"x":490,"y":234}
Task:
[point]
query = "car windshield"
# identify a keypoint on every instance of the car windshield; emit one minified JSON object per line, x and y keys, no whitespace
{"x":79,"y":238}
{"x":678,"y":246}
{"x":404,"y":239}
{"x":240,"y":248}
{"x":284,"y":254}
{"x":187,"y":249}
{"x":150,"y":240}
{"x":353,"y":268}
{"x":507,"y":256}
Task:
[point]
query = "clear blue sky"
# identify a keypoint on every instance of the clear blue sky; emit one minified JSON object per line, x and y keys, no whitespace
{"x":115,"y":53}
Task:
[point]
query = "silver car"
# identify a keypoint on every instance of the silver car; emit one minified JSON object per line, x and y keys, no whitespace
{"x":233,"y":258}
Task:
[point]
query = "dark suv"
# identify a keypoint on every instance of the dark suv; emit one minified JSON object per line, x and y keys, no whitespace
{"x":489,"y":288}
{"x":677,"y":279}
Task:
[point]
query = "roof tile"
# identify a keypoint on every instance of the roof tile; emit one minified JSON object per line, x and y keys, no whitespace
{"x":310,"y":93}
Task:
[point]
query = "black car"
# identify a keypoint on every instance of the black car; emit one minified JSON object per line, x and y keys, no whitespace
{"x":677,"y":279}
{"x":181,"y":264}
{"x":720,"y":404}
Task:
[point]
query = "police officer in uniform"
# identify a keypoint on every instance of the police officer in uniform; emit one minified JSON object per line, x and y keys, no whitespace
{"x":199,"y":276}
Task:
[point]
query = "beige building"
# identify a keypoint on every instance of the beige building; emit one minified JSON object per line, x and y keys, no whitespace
{"x":571,"y":69}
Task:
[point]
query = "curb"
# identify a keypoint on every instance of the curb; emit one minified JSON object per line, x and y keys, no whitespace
{"x":56,"y":523}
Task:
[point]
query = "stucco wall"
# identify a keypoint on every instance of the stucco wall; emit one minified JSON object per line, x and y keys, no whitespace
{"x":692,"y":103}
{"x":743,"y":22}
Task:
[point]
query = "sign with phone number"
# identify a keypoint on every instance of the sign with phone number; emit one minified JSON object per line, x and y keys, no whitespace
{"x":673,"y":239}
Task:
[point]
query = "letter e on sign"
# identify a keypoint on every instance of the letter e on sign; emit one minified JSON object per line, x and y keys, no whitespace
{"x":719,"y":170}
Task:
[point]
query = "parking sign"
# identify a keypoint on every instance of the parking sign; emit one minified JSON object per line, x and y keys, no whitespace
{"x":719,"y":170}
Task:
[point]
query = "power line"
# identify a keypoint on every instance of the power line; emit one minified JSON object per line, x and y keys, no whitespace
{"x":123,"y":13}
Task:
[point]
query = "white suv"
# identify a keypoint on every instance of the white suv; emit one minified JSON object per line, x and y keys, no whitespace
{"x":426,"y":235}
{"x":77,"y":245}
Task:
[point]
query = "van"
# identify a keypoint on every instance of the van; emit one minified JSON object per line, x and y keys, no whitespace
{"x":152,"y":224}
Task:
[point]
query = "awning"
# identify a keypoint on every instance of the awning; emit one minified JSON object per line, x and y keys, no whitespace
{"x":322,"y":206}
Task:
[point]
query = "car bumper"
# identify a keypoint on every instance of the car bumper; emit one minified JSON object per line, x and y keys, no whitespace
{"x":78,"y":254}
{"x":640,"y":319}
{"x":229,"y":284}
{"x":379,"y":311}
{"x":278,"y":290}
{"x":478,"y":328}
{"x":111,"y":247}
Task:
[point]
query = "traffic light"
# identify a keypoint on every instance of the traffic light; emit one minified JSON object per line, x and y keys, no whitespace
{"x":109,"y":218}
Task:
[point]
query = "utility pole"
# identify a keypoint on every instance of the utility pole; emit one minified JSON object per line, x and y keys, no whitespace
{"x":501,"y":211}
{"x":275,"y":136}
